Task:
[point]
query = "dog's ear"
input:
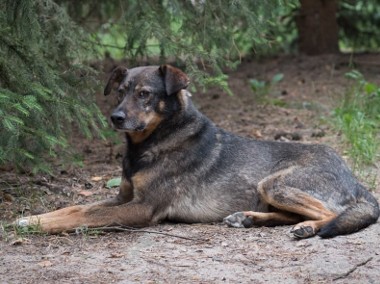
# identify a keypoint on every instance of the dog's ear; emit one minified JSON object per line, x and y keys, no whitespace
{"x":117,"y":76}
{"x":175,"y":80}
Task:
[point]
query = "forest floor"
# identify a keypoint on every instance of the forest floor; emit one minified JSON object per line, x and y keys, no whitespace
{"x":298,"y":107}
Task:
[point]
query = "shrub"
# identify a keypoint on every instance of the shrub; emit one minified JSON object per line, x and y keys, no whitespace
{"x":45,"y":89}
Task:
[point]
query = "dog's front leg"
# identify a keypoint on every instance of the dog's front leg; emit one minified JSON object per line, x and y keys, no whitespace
{"x":125,"y":195}
{"x":96,"y":215}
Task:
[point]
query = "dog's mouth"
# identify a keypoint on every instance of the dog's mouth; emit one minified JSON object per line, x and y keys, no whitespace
{"x":129,"y":128}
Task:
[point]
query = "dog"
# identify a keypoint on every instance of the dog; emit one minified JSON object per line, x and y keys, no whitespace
{"x":178,"y":166}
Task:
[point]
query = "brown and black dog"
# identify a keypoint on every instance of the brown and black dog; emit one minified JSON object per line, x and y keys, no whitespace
{"x":180,"y":167}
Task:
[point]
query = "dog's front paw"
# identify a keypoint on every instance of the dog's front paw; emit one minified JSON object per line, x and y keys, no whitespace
{"x":238,"y":220}
{"x":27,"y":221}
{"x":23,"y":222}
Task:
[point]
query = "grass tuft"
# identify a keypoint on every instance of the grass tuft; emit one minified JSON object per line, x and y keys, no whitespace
{"x":358,"y":119}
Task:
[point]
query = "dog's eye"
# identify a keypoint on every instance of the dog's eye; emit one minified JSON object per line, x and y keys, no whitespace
{"x":143,"y":94}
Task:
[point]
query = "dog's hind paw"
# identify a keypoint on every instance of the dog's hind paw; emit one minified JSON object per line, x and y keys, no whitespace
{"x":238,"y":220}
{"x":303,"y":232}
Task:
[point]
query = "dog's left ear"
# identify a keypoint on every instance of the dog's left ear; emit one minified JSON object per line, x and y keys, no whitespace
{"x":118,"y":74}
{"x":175,"y":80}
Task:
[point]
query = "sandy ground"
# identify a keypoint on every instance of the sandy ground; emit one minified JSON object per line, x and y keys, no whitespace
{"x":198,"y":253}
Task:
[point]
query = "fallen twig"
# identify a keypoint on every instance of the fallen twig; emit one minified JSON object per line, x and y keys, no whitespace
{"x":353,"y":269}
{"x":131,"y":229}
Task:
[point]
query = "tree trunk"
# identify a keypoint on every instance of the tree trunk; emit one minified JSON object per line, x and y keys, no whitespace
{"x":317,"y":27}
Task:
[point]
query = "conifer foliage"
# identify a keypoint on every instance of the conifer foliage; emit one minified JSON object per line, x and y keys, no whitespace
{"x":201,"y":36}
{"x":44,"y":88}
{"x":212,"y":33}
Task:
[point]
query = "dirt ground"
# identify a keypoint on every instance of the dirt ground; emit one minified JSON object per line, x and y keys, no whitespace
{"x":297,"y":108}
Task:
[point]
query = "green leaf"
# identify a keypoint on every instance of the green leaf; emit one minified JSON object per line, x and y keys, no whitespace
{"x":21,"y":109}
{"x":16,"y":120}
{"x":370,"y":88}
{"x":277,"y":78}
{"x":354,"y":74}
{"x":113,"y":182}
{"x":31,"y":103}
{"x":256,"y":84}
{"x":8,"y":124}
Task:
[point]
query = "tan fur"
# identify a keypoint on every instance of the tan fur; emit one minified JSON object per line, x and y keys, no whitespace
{"x":126,"y":190}
{"x":263,"y":218}
{"x":142,"y":179}
{"x":183,"y":98}
{"x":152,"y":120}
{"x":161,"y":106}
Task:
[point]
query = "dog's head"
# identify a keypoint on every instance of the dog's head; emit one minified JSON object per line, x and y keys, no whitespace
{"x":146,"y":95}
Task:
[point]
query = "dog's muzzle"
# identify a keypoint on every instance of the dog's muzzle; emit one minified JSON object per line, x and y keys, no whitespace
{"x":122,"y":123}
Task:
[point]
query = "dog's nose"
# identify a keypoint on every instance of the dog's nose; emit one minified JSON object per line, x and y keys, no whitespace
{"x":118,"y":117}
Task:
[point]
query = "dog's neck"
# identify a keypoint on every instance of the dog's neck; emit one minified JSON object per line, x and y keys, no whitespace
{"x":188,"y":123}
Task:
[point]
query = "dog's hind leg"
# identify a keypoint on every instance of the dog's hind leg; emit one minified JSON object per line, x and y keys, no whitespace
{"x":294,"y":200}
{"x":275,"y":191}
{"x":293,"y":205}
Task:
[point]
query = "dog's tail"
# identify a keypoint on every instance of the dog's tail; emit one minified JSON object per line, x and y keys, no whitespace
{"x":356,"y":217}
